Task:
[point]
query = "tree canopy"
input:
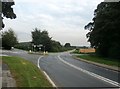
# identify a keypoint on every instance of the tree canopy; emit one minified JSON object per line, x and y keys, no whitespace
{"x":9,"y":39}
{"x":41,"y":38}
{"x":56,"y":46}
{"x":67,"y":45}
{"x":104,"y":31}
{"x":6,"y":10}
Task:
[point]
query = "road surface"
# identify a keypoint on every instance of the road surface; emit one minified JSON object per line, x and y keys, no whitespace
{"x":65,"y":71}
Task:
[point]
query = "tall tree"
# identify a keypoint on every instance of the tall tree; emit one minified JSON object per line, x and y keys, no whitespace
{"x":104,"y":31}
{"x":56,"y":46}
{"x":41,"y":37}
{"x":6,"y":10}
{"x":9,"y":39}
{"x":67,"y":45}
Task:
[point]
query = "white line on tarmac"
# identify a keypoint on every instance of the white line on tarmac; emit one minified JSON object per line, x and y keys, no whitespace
{"x":53,"y":84}
{"x":49,"y":79}
{"x":90,"y":73}
{"x":39,"y":61}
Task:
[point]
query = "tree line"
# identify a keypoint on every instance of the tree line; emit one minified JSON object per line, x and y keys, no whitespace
{"x":41,"y":41}
{"x":44,"y":42}
{"x":104,"y":30}
{"x":104,"y":33}
{"x":9,"y":39}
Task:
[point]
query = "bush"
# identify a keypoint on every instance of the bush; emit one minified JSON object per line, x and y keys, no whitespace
{"x":9,"y":39}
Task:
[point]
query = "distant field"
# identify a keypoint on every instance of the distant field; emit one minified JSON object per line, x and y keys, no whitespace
{"x":102,"y":60}
{"x":25,"y":73}
{"x":89,"y":50}
{"x":84,"y":51}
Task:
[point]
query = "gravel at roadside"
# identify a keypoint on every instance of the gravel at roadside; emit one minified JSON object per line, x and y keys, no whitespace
{"x":6,"y":79}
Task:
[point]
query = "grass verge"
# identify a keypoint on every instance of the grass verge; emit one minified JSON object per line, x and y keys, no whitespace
{"x":102,"y":60}
{"x":76,"y":52}
{"x":25,"y":73}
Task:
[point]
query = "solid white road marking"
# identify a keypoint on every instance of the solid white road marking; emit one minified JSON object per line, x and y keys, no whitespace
{"x":53,"y":84}
{"x":90,"y":73}
{"x":49,"y":79}
{"x":39,"y":61}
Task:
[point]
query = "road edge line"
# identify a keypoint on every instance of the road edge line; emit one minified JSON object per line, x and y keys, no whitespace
{"x":90,"y":73}
{"x":39,"y":62}
{"x":48,"y":78}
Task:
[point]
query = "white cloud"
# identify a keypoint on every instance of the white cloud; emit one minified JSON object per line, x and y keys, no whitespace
{"x":64,"y":19}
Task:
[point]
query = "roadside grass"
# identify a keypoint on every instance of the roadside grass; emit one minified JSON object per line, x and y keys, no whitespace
{"x":99,"y":59}
{"x":76,"y":52}
{"x":25,"y":73}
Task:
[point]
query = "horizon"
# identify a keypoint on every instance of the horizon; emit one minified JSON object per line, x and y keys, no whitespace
{"x":64,"y":20}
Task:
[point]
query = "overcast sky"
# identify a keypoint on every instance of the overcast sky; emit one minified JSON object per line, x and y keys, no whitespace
{"x":63,"y":19}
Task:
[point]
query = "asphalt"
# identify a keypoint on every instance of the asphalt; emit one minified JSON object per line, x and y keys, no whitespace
{"x":64,"y":75}
{"x":105,"y":72}
{"x":23,"y":54}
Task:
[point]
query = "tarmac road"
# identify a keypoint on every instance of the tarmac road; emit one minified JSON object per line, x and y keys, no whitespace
{"x":65,"y":71}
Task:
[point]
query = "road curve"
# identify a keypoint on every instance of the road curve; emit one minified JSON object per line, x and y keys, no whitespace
{"x":64,"y":75}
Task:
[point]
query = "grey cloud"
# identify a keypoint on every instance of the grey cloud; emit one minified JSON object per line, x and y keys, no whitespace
{"x":57,"y":16}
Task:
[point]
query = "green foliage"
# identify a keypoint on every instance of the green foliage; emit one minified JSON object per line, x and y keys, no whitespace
{"x":26,"y":73}
{"x":104,"y":30}
{"x":41,"y":37}
{"x":76,"y":51}
{"x":100,"y":59}
{"x":56,"y":46}
{"x":9,"y":39}
{"x":7,"y":11}
{"x":0,"y":42}
{"x":24,"y":46}
{"x":67,"y":45}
